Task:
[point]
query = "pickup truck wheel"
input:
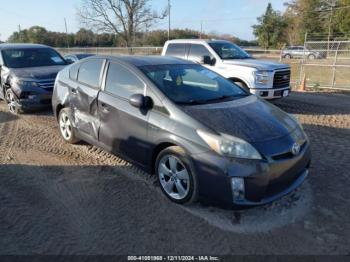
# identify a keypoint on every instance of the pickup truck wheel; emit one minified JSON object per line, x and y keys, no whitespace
{"x":311,"y":57}
{"x":288,"y":56}
{"x":66,"y":126}
{"x":11,"y":101}
{"x":242,"y":85}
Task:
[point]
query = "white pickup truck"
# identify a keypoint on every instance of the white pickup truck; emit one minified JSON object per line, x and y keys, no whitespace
{"x":266,"y":79}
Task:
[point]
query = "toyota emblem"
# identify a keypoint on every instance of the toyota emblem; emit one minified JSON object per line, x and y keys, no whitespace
{"x":295,"y":149}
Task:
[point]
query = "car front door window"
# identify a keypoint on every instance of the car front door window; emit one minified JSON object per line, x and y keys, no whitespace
{"x":122,"y":82}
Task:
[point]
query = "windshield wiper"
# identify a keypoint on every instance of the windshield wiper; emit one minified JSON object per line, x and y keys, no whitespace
{"x":216,"y":99}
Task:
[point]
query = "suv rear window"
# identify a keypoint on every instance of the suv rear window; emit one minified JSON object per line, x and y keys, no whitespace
{"x":178,"y":50}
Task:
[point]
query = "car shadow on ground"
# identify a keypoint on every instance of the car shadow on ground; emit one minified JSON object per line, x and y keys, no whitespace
{"x":315,"y":104}
{"x":7,"y":117}
{"x":101,"y":209}
{"x":42,"y":112}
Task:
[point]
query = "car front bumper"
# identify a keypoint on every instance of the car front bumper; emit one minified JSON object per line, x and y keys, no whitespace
{"x":35,"y":102}
{"x":264,"y":180}
{"x":271,"y":93}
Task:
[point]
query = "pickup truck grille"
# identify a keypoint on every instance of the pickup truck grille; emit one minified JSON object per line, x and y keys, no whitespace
{"x":281,"y":79}
{"x":47,"y":84}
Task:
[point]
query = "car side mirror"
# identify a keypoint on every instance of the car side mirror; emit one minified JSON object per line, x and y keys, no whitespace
{"x":207,"y":60}
{"x":69,"y":61}
{"x":140,"y":101}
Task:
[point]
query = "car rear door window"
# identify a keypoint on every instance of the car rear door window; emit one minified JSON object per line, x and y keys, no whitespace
{"x":122,"y":82}
{"x":177,"y":50}
{"x":73,"y":72}
{"x":90,"y":72}
{"x":197,"y":52}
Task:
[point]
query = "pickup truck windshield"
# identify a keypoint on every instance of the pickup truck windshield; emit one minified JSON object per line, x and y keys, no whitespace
{"x":192,"y":84}
{"x":31,"y":57}
{"x":229,"y":51}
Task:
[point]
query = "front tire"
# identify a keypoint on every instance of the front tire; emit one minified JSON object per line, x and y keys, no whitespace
{"x":176,"y":176}
{"x":242,"y":85}
{"x":66,"y":126}
{"x":11,"y":101}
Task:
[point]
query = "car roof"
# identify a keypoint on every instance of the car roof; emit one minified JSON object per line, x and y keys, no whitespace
{"x":145,"y":60}
{"x":21,"y":46}
{"x":194,"y":41}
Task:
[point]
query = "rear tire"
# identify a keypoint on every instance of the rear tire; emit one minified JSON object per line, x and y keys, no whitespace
{"x":65,"y":123}
{"x":288,"y":56}
{"x":176,"y":176}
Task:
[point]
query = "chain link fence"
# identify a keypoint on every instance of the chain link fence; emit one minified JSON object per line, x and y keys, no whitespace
{"x":111,"y":50}
{"x":323,"y":64}
{"x":326,"y":64}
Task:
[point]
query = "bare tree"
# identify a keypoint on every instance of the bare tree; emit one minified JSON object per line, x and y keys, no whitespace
{"x":121,"y":17}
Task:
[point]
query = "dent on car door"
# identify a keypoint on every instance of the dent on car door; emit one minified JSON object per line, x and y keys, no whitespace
{"x":84,"y":98}
{"x":123,"y":127}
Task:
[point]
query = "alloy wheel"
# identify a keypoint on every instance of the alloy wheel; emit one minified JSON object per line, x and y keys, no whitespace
{"x":11,"y":102}
{"x":174,"y":177}
{"x":65,"y":126}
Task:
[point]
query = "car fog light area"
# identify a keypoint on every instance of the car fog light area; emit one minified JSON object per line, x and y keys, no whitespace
{"x":238,"y":189}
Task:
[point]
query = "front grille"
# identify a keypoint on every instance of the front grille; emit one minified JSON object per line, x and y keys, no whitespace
{"x":47,"y":85}
{"x":288,"y":155}
{"x":281,"y":79}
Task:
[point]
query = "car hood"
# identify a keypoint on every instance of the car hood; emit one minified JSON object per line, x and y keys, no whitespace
{"x":37,"y":73}
{"x":248,"y":118}
{"x":256,"y":63}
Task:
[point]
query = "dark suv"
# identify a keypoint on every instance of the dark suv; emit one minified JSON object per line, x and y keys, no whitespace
{"x":28,"y":73}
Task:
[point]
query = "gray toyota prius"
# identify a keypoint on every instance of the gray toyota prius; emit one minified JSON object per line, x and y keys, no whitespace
{"x":203,"y":136}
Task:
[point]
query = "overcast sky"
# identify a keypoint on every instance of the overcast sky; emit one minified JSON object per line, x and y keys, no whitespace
{"x":224,"y":16}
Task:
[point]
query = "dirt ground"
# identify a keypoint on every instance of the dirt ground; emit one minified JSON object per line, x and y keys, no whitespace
{"x":57,"y":198}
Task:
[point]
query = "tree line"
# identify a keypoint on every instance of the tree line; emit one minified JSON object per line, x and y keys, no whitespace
{"x":87,"y":38}
{"x":319,"y":19}
{"x":128,"y":23}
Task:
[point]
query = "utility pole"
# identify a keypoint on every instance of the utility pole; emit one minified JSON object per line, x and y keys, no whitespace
{"x":332,"y":5}
{"x":19,"y":33}
{"x":201,"y":33}
{"x":169,"y":7}
{"x":65,"y":25}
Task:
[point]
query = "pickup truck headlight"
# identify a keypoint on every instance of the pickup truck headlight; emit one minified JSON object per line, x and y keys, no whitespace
{"x":25,"y":83}
{"x":229,"y":146}
{"x":262,"y":77}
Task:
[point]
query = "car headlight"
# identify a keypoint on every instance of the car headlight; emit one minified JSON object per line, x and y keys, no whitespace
{"x":229,"y":146}
{"x":25,"y":83}
{"x":262,"y":77}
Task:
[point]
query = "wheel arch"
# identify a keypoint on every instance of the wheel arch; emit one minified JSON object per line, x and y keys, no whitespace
{"x":237,"y":79}
{"x":159,"y":148}
{"x":58,"y":108}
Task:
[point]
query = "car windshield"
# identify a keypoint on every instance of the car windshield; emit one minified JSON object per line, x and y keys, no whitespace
{"x":192,"y":84}
{"x":31,"y":57}
{"x":229,"y":51}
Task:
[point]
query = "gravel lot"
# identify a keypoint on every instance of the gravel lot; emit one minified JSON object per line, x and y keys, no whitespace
{"x":62,"y":199}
